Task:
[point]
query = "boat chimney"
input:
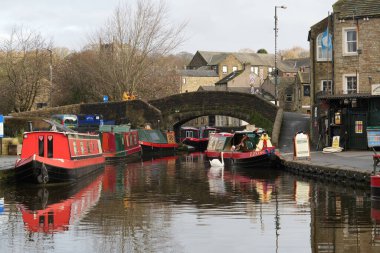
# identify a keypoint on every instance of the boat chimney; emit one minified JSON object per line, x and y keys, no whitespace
{"x":30,"y":125}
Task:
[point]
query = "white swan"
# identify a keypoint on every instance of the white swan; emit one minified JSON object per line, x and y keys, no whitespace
{"x":216,"y":162}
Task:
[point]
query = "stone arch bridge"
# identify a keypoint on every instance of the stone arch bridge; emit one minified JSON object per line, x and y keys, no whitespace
{"x":173,"y":111}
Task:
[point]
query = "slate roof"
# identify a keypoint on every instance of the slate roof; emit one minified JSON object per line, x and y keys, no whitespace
{"x":298,"y":63}
{"x":283,"y":80}
{"x":229,"y":77}
{"x":214,"y":58}
{"x":232,"y":89}
{"x":358,"y":8}
{"x":198,"y":72}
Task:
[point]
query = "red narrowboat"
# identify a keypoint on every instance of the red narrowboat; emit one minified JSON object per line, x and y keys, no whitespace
{"x":58,"y":155}
{"x":196,"y":137}
{"x":242,"y":148}
{"x":119,"y":142}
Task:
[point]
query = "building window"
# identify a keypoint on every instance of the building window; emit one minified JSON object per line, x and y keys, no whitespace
{"x":289,"y":98}
{"x":255,"y":70}
{"x":351,"y":84}
{"x":326,"y":86}
{"x":270,"y":71}
{"x":306,"y":90}
{"x":324,"y":49}
{"x":234,"y":68}
{"x":183,"y":80}
{"x":350,"y":40}
{"x":224,"y":69}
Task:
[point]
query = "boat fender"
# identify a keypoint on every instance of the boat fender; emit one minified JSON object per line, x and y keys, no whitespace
{"x":43,"y":177}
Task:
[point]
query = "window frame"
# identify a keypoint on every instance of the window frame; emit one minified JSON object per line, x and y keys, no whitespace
{"x":224,"y":69}
{"x":287,"y":96}
{"x":345,"y":41}
{"x":327,"y":81}
{"x":345,"y":83}
{"x":319,"y":50}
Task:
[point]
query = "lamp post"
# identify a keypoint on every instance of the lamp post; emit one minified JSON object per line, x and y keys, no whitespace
{"x":275,"y":52}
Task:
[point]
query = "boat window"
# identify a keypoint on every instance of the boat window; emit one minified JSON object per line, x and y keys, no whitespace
{"x":88,"y":146}
{"x":189,"y":134}
{"x":75,"y":147}
{"x":50,"y":218}
{"x":50,"y":146}
{"x":41,"y":220}
{"x":81,"y":147}
{"x":41,"y":145}
{"x":220,"y":143}
{"x":154,"y":136}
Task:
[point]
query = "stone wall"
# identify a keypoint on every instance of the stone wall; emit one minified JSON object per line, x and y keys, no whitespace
{"x":194,"y":82}
{"x":365,"y":64}
{"x":230,"y":61}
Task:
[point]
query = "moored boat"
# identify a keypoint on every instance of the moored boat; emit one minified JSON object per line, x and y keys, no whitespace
{"x":119,"y":141}
{"x":155,"y":142}
{"x":58,"y":154}
{"x":196,"y":137}
{"x":242,"y":148}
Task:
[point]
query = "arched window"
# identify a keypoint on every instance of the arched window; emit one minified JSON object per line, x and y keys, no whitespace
{"x":323,"y":53}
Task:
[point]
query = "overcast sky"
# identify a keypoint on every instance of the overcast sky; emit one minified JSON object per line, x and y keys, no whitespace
{"x":213,"y":25}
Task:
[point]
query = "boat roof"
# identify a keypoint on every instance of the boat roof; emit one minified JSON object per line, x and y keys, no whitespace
{"x":223,"y":134}
{"x":190,"y":128}
{"x":151,"y":135}
{"x":115,"y":128}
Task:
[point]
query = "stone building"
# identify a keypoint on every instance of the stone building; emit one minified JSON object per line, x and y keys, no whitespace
{"x":345,"y":72}
{"x":192,"y":79}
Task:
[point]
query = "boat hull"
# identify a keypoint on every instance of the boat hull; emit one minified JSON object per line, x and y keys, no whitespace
{"x":198,"y":144}
{"x":158,"y":149}
{"x":42,"y":170}
{"x":264,"y":158}
{"x":129,"y":154}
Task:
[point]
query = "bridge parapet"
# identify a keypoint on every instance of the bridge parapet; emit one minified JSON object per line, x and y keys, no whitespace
{"x":180,"y":108}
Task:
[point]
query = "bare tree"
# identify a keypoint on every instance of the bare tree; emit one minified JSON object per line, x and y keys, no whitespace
{"x":25,"y":64}
{"x":294,"y":53}
{"x":128,"y":44}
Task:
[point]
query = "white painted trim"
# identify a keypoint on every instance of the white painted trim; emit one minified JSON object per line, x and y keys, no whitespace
{"x":344,"y":82}
{"x":318,"y":48}
{"x":344,"y":41}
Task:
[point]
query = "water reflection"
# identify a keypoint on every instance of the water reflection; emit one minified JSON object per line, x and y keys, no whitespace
{"x":179,"y":204}
{"x":53,"y":208}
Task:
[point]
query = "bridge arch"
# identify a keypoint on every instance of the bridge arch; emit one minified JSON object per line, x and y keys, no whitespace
{"x":180,"y":108}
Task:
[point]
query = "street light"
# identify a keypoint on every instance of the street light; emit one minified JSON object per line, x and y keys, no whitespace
{"x":275,"y":51}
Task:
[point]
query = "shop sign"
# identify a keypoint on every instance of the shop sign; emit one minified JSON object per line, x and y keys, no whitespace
{"x":335,"y":142}
{"x":375,"y":89}
{"x":301,"y":146}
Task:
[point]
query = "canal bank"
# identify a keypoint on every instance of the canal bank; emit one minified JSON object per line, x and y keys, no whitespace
{"x":348,"y":167}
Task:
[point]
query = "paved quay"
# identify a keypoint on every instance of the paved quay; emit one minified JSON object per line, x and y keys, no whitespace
{"x":352,"y":167}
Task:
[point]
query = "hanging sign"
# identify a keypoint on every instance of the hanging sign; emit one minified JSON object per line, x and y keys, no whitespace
{"x":301,"y":146}
{"x":375,"y":89}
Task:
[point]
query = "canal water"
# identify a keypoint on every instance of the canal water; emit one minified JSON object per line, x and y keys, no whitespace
{"x":179,"y":204}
